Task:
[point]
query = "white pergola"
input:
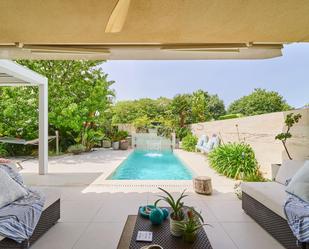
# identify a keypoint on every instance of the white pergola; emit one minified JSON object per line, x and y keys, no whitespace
{"x":13,"y":74}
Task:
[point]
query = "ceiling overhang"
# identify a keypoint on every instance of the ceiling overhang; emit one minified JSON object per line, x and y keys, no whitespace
{"x":141,"y":51}
{"x":152,"y":29}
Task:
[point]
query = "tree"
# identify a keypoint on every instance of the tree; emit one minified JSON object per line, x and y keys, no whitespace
{"x":258,"y":102}
{"x":128,"y":111}
{"x":206,"y":107}
{"x":181,"y":108}
{"x":290,"y":120}
{"x":79,"y":97}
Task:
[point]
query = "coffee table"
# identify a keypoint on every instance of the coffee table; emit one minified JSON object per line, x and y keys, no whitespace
{"x":161,"y":235}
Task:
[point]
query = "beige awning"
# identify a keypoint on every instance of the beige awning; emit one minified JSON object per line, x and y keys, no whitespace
{"x":152,"y":29}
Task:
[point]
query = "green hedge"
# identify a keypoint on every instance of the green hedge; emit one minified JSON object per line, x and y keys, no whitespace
{"x":189,"y":142}
{"x":235,"y":160}
{"x":230,"y":116}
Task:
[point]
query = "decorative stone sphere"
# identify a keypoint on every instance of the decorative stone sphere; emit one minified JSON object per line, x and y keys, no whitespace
{"x":165,"y":212}
{"x":156,"y":216}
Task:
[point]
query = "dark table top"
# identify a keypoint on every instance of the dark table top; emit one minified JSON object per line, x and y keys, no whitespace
{"x":161,"y":235}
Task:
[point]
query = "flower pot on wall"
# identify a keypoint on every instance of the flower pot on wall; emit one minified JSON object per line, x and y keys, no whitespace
{"x":116,"y":145}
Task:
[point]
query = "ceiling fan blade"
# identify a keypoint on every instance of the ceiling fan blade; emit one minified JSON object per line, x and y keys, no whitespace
{"x":118,"y":17}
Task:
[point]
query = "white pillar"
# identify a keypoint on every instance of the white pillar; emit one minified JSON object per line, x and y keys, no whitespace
{"x":43,"y":128}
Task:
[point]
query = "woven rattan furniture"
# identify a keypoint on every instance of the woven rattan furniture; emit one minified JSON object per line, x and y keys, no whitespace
{"x":271,"y":222}
{"x":48,"y":218}
{"x":161,"y":235}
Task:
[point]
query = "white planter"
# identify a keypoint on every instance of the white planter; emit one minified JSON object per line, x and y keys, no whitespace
{"x":174,"y":228}
{"x":116,"y":145}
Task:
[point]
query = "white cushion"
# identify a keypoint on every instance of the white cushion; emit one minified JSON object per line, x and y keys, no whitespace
{"x":271,"y":194}
{"x":299,"y":185}
{"x":288,"y":169}
{"x":10,"y":190}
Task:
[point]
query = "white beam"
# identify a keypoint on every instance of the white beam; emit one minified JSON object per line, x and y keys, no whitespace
{"x":43,"y":129}
{"x":20,"y":72}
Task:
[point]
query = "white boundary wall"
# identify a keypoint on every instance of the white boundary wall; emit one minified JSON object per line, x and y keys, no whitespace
{"x":260,"y":131}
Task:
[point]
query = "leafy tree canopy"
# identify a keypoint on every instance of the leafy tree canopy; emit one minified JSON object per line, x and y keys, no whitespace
{"x":79,"y":98}
{"x":258,"y":102}
{"x":173,"y":114}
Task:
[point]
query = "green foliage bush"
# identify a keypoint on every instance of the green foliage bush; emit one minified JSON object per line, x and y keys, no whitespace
{"x":3,"y":151}
{"x":173,"y":114}
{"x":76,"y":149}
{"x":230,"y":116}
{"x":79,"y":95}
{"x":235,"y":160}
{"x":189,"y":142}
{"x":119,"y":135}
{"x":181,"y":132}
{"x":258,"y":102}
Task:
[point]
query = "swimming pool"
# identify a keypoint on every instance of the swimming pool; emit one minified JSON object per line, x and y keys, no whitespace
{"x":151,"y":165}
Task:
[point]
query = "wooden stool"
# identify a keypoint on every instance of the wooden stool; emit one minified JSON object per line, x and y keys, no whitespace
{"x":202,"y":185}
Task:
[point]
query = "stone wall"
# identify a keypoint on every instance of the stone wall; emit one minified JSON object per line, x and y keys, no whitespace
{"x":260,"y":131}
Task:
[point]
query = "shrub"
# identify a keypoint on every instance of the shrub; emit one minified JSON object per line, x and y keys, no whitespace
{"x":76,"y":149}
{"x":3,"y":151}
{"x":119,"y":135}
{"x":122,"y":134}
{"x":230,"y":116}
{"x":235,"y":160}
{"x":189,"y":142}
{"x":181,"y":132}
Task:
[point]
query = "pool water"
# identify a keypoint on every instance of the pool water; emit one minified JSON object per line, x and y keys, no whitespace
{"x":151,"y":165}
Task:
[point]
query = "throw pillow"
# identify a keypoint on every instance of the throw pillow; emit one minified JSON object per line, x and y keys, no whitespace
{"x":288,"y":169}
{"x":10,"y":190}
{"x":299,"y":185}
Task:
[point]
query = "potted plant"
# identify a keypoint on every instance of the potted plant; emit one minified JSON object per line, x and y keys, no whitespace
{"x":115,"y":143}
{"x":106,"y":143}
{"x":191,"y":225}
{"x":124,"y":143}
{"x":177,"y":214}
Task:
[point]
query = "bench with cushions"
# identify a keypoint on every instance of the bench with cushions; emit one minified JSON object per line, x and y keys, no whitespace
{"x":49,"y":216}
{"x":264,"y":202}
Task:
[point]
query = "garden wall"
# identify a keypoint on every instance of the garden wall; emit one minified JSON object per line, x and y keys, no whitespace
{"x":260,"y":131}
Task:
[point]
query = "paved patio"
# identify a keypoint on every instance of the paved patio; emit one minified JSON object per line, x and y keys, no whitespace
{"x":94,"y":210}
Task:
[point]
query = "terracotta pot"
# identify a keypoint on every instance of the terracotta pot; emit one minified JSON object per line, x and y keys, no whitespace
{"x":124,"y":144}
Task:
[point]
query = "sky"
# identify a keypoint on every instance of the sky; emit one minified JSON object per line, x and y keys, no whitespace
{"x":230,"y":79}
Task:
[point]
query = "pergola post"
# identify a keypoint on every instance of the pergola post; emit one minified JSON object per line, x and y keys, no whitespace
{"x":43,"y":128}
{"x":13,"y":74}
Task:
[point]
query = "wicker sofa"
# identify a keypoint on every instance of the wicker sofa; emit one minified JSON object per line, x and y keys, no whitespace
{"x":49,"y":216}
{"x":264,"y":201}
